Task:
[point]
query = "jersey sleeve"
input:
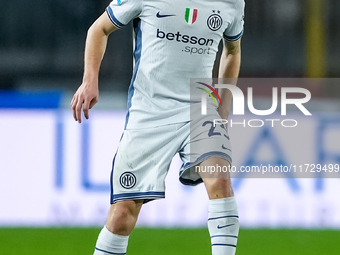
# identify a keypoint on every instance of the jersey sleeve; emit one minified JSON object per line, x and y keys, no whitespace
{"x":121,"y":12}
{"x":235,"y":30}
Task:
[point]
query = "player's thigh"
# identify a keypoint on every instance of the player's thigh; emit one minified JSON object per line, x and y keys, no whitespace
{"x":208,"y":143}
{"x":217,"y":179}
{"x":142,"y":162}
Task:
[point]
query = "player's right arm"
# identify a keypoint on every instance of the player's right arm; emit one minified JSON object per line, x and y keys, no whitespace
{"x":87,"y":94}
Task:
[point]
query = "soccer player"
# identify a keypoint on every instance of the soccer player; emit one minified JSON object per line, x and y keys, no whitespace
{"x":174,"y":42}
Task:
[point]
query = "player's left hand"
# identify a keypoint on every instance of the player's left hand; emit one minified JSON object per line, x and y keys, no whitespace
{"x":85,"y":98}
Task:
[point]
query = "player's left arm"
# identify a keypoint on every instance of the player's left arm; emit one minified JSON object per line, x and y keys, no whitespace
{"x":229,"y":69}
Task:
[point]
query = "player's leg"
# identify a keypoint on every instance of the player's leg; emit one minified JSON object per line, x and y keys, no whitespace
{"x":218,"y":184}
{"x":122,"y":218}
{"x":223,"y":221}
{"x":138,"y":176}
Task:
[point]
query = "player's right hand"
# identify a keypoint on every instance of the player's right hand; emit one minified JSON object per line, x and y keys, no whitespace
{"x":85,"y":98}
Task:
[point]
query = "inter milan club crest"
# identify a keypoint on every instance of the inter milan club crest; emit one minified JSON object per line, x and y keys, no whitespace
{"x":190,"y":15}
{"x":127,"y":180}
{"x":214,"y":21}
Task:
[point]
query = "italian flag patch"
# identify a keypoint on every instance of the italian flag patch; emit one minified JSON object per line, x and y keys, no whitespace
{"x":190,"y":15}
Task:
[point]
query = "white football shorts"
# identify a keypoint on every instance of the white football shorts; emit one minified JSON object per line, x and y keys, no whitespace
{"x":144,"y":155}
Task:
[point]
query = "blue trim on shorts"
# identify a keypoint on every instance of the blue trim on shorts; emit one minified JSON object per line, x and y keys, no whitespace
{"x":146,"y":196}
{"x":111,"y":177}
{"x":137,"y":54}
{"x":205,"y":156}
{"x":113,"y":19}
{"x":190,"y":182}
{"x":200,"y":159}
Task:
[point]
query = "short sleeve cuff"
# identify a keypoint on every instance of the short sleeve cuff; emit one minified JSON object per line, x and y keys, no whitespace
{"x":113,"y":19}
{"x":233,"y":38}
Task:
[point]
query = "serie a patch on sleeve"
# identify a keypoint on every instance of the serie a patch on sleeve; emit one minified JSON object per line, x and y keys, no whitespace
{"x":117,"y":2}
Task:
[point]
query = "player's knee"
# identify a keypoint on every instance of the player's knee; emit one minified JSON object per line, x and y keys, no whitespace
{"x":121,"y":221}
{"x":218,"y":183}
{"x":218,"y":187}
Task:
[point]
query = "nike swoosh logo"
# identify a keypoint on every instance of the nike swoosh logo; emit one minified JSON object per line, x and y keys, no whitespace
{"x":219,"y":227}
{"x":163,"y":16}
{"x":225,"y":148}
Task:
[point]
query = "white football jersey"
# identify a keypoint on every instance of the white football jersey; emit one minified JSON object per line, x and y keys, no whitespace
{"x":175,"y":40}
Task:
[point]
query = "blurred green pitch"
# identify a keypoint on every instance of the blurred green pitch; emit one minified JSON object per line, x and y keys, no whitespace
{"x":81,"y":241}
